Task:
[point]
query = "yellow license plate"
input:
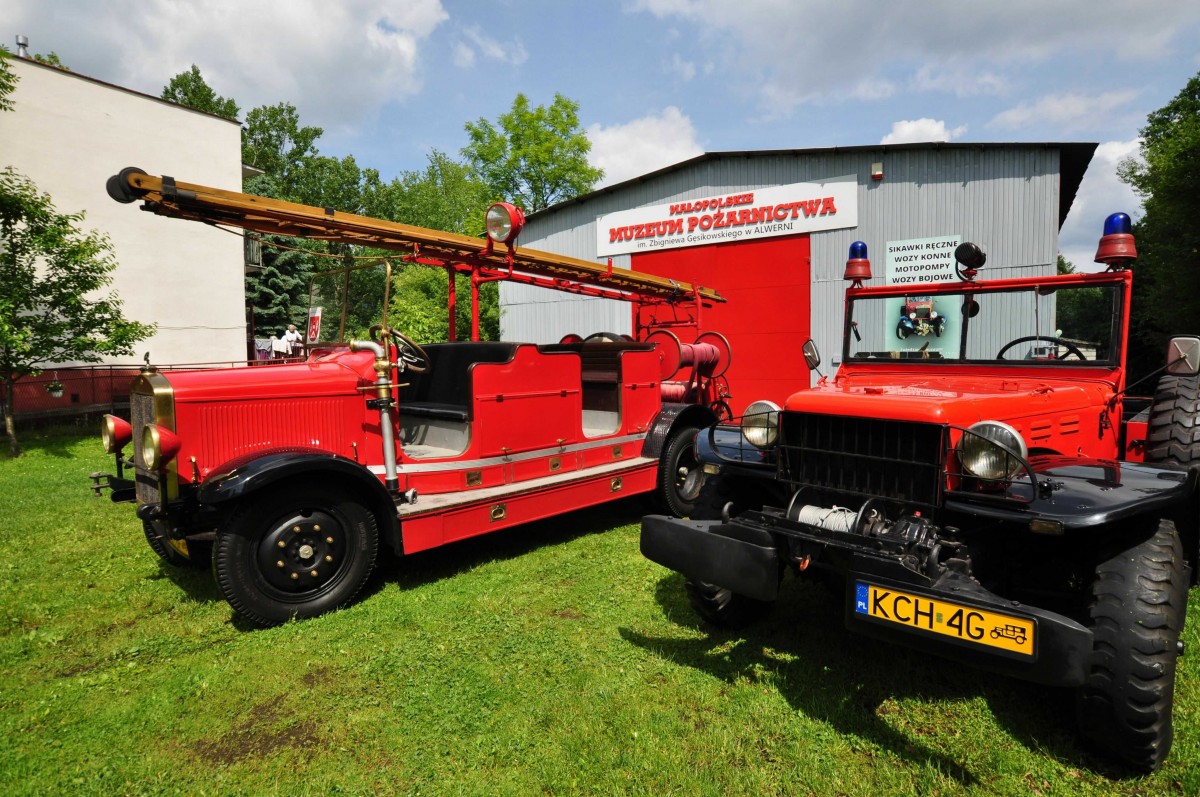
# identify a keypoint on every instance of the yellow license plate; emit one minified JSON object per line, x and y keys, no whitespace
{"x":965,"y":623}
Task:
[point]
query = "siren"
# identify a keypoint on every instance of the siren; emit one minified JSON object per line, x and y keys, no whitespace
{"x":858,"y":267}
{"x":1116,"y":248}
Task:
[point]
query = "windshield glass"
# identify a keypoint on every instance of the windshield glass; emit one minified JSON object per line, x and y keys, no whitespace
{"x":343,"y":303}
{"x":1057,"y":325}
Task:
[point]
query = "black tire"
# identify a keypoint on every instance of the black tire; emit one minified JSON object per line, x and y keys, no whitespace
{"x":199,"y":553}
{"x":1173,"y":433}
{"x":680,"y":477}
{"x":1138,"y":606}
{"x":715,"y":604}
{"x":298,"y":552}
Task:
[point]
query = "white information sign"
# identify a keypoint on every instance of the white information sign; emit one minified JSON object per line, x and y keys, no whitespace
{"x":921,"y":260}
{"x":759,"y":213}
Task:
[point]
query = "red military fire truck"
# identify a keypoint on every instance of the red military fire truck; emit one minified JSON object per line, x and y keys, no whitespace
{"x":988,"y":493}
{"x":290,"y":477}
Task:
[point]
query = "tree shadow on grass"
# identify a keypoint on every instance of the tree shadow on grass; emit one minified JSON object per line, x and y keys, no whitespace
{"x":852,"y":682}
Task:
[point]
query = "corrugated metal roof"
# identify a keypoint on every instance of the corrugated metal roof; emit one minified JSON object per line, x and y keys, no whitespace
{"x":1074,"y":160}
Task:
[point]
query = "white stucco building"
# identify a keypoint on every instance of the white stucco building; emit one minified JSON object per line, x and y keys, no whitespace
{"x":68,"y":133}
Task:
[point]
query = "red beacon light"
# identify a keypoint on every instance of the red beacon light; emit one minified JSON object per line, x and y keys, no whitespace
{"x":858,"y":267}
{"x":1116,"y":248}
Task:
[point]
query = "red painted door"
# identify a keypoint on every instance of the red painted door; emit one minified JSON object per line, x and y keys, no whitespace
{"x":767,"y":317}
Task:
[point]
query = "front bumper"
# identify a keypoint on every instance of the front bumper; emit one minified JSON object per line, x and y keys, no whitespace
{"x":950,"y":616}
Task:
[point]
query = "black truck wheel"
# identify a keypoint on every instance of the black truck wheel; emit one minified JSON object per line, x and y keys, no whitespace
{"x":1138,"y":604}
{"x":679,"y":474}
{"x":199,"y":552}
{"x":1173,"y":433}
{"x":713,"y":603}
{"x":302,"y":551}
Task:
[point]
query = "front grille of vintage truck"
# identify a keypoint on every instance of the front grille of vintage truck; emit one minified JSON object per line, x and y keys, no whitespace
{"x":141,"y":412}
{"x":852,"y":459}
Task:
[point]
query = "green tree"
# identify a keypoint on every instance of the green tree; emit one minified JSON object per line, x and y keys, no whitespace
{"x":277,"y":290}
{"x":51,"y":275}
{"x":274,"y":140}
{"x":190,"y":89}
{"x":534,"y":157}
{"x":444,"y":196}
{"x":8,"y":80}
{"x":1166,"y":297}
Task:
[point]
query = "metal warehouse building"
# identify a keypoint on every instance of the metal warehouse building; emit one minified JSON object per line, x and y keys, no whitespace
{"x":771,"y":231}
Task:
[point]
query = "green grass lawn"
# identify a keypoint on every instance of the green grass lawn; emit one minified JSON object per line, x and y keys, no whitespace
{"x":549,"y":659}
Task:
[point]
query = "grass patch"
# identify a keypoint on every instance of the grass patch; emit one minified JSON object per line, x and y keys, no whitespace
{"x":551,"y":658}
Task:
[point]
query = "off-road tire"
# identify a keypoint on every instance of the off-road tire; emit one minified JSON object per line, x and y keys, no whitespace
{"x":299,"y":526}
{"x":200,"y":553}
{"x":1173,"y":433}
{"x":715,"y":604}
{"x":1137,"y":611}
{"x":679,"y":474}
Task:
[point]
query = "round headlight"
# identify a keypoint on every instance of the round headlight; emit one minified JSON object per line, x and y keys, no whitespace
{"x":115,"y":433}
{"x":504,"y":222}
{"x":760,"y":424}
{"x":151,"y":447}
{"x":982,"y":450}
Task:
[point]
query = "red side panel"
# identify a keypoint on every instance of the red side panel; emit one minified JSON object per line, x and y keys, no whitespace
{"x":767,"y":317}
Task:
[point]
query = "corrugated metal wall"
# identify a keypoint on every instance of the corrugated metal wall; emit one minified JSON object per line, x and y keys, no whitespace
{"x":1004,"y":198}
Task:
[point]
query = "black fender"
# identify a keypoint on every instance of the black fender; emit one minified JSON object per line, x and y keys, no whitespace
{"x":245,"y":476}
{"x":670,"y":418}
{"x":1086,"y":493}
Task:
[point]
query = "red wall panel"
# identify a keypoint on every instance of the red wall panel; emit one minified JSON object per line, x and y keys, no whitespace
{"x":767,"y":316}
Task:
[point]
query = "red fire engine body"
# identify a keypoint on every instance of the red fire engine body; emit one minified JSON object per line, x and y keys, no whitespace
{"x":290,"y":476}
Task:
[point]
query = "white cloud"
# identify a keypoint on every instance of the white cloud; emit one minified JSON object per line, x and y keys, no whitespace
{"x":908,"y":131}
{"x":512,"y":53}
{"x":1066,"y":111}
{"x":643,"y":145}
{"x":1100,"y":194}
{"x":794,"y":52}
{"x":336,"y":62}
{"x":685,"y":69}
{"x":462,"y":55}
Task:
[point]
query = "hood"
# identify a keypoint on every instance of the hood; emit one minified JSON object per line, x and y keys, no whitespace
{"x":959,"y":400}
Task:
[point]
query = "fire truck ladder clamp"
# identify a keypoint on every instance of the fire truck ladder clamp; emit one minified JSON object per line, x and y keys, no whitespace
{"x":166,"y":196}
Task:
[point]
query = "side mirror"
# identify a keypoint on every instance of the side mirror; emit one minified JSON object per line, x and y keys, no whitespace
{"x":812,"y":356}
{"x":1183,"y":356}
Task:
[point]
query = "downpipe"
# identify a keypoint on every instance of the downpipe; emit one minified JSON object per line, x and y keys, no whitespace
{"x":384,"y":402}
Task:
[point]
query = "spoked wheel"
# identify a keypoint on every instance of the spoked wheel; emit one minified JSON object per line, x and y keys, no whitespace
{"x":1137,"y":612}
{"x":717,"y":605}
{"x":680,"y":476}
{"x":303,"y":551}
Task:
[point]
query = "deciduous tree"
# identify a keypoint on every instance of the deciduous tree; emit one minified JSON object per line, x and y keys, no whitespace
{"x":534,"y":157}
{"x":52,"y":275}
{"x":190,"y":88}
{"x":1166,"y":296}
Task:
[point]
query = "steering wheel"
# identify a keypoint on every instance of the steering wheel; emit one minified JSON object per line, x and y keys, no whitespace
{"x":1071,"y":348}
{"x":413,"y":356}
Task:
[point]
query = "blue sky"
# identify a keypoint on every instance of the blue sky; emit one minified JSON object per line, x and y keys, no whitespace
{"x":659,"y":81}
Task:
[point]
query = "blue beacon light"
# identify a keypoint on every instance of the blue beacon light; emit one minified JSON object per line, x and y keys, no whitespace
{"x":858,"y":267}
{"x":1117,"y":249}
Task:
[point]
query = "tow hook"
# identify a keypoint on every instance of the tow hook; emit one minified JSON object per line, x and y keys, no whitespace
{"x":97,"y":486}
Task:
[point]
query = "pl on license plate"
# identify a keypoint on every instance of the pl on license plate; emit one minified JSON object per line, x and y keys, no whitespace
{"x":965,"y":623}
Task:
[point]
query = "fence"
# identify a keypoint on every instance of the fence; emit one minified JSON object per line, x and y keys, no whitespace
{"x":87,"y":389}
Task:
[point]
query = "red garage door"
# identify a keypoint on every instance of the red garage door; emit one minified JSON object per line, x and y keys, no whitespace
{"x":767,"y":316}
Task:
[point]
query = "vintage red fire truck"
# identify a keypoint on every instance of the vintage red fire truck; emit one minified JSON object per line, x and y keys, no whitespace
{"x":989,"y":494}
{"x":290,"y":477}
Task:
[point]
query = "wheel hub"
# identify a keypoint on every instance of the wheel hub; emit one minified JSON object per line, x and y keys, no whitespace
{"x":302,"y":552}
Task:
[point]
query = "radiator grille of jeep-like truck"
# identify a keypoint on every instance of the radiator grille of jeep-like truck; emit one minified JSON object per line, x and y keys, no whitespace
{"x":858,"y":458}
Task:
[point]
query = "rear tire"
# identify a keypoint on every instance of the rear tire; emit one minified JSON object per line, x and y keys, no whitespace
{"x":299,"y":552}
{"x":1139,"y":599}
{"x":715,"y":604}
